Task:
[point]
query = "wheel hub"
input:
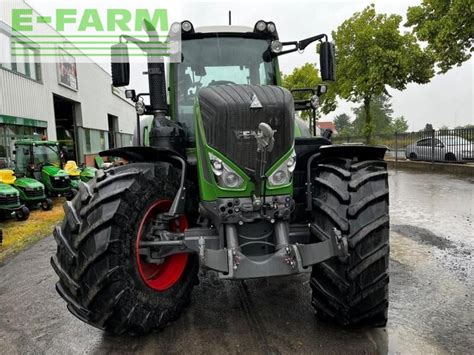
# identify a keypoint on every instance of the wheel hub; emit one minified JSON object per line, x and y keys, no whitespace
{"x":164,"y":275}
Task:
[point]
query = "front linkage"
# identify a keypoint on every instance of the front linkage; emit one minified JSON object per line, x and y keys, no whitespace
{"x":292,"y":253}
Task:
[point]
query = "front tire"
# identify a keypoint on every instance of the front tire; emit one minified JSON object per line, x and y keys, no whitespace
{"x":352,"y":196}
{"x":47,"y":205}
{"x":97,"y":259}
{"x":22,"y":214}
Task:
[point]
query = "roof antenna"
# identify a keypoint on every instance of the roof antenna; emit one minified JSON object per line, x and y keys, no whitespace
{"x":230,"y":18}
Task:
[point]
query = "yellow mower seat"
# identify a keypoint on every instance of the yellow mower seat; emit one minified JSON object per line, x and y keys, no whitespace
{"x":7,"y":176}
{"x":72,"y":169}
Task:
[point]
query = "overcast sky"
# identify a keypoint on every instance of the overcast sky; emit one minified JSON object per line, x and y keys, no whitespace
{"x":446,"y":100}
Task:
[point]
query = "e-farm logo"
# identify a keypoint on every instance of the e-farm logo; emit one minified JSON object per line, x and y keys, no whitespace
{"x":124,"y":20}
{"x":86,"y":29}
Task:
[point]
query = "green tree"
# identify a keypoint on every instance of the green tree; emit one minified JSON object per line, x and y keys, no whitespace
{"x":428,"y":127}
{"x":342,"y":122}
{"x":372,"y":54}
{"x":447,"y":26}
{"x":400,"y":125}
{"x":303,"y":77}
{"x":380,"y":115}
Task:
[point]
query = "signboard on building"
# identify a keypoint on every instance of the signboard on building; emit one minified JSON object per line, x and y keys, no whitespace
{"x":67,"y":70}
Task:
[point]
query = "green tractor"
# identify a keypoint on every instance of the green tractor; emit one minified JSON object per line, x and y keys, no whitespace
{"x":40,"y":160}
{"x":228,"y":184}
{"x":32,"y":192}
{"x":10,"y":203}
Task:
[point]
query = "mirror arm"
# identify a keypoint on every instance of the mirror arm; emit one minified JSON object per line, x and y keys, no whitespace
{"x":301,"y":45}
{"x":306,"y":42}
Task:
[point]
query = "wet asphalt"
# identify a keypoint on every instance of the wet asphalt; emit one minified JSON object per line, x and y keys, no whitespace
{"x":431,"y":295}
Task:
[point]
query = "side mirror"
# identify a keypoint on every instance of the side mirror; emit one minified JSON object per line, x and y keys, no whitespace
{"x":120,"y":65}
{"x":327,"y":61}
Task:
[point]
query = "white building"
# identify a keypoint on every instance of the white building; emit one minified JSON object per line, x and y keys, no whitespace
{"x":69,"y":101}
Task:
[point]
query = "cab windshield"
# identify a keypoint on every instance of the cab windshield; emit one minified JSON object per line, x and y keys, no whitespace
{"x":46,"y":154}
{"x":219,"y":61}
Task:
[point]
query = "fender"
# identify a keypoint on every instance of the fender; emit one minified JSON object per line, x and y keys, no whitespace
{"x":354,"y":150}
{"x":153,"y":154}
{"x":139,"y":154}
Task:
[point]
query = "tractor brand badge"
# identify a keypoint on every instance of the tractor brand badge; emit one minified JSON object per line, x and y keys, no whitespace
{"x":246,"y":134}
{"x":255,"y":102}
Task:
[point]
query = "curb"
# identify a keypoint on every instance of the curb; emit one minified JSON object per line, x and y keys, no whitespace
{"x":447,"y":168}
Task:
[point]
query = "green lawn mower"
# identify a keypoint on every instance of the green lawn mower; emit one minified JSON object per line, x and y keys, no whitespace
{"x":10,"y":203}
{"x":231,"y":183}
{"x":32,"y":192}
{"x":40,"y":160}
{"x":77,"y":174}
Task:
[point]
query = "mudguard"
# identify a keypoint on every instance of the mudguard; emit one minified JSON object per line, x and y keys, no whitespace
{"x":139,"y":154}
{"x":361,"y":151}
{"x":153,"y":154}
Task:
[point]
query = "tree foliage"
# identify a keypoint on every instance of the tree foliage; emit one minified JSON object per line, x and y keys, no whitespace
{"x":400,"y":125}
{"x":342,"y":121}
{"x":382,"y":120}
{"x":371,"y":55}
{"x":303,"y":77}
{"x":380,"y":113}
{"x":447,"y":26}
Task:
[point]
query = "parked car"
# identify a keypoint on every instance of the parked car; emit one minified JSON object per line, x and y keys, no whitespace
{"x":446,"y":148}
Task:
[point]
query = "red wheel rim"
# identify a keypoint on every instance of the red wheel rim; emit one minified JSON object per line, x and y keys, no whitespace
{"x":163,"y":276}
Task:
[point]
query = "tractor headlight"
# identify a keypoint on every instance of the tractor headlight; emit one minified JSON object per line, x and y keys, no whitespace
{"x":226,"y":177}
{"x":276,"y":46}
{"x":284,"y":173}
{"x":176,"y":27}
{"x":271,"y":27}
{"x":261,"y":26}
{"x":186,"y":26}
{"x":56,"y":178}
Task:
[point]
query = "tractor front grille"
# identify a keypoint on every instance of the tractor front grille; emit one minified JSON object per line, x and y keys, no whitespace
{"x":231,"y":121}
{"x":9,"y":200}
{"x":39,"y":192}
{"x":62,"y":183}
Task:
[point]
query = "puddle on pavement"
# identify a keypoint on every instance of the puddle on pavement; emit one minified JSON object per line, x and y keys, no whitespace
{"x":430,"y":309}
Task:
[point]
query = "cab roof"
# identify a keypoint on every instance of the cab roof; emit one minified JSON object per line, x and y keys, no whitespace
{"x":224,"y":29}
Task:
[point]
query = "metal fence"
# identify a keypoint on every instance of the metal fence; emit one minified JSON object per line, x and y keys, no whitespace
{"x":453,"y":145}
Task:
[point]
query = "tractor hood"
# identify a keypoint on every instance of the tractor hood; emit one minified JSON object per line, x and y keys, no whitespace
{"x":54,"y":171}
{"x":7,"y":190}
{"x":231,"y":115}
{"x":88,"y":172}
{"x":27,"y":183}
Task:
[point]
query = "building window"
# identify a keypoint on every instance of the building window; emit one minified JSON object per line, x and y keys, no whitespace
{"x":19,"y":57}
{"x":88,"y":140}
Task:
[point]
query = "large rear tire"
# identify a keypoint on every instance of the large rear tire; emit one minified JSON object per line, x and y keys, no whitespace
{"x":101,"y":275}
{"x":352,"y":196}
